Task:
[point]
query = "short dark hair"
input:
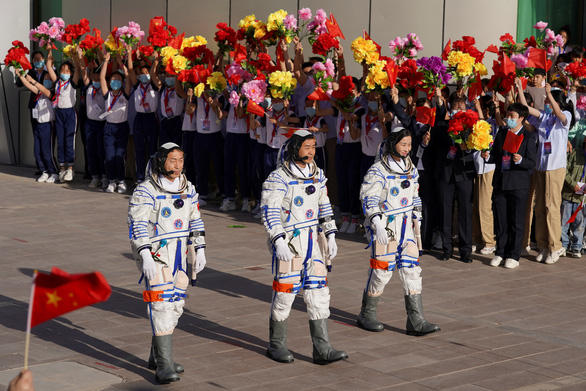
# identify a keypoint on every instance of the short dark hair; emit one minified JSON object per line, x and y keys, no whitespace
{"x":520,"y":109}
{"x":307,"y":64}
{"x":422,"y":101}
{"x":35,"y":52}
{"x":539,"y":71}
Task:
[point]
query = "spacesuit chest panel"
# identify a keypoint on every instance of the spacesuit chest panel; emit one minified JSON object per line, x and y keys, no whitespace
{"x":301,"y":205}
{"x":171,"y":216}
{"x":398,"y":193}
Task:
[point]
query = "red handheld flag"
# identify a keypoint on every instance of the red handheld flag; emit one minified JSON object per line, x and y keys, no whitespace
{"x":156,"y":22}
{"x":507,"y":66}
{"x":239,"y":53}
{"x":318,"y":94}
{"x":333,"y":27}
{"x":366,"y":36}
{"x":291,"y":132}
{"x":253,"y":108}
{"x":512,"y":142}
{"x":492,"y":49}
{"x":392,"y":71}
{"x":524,"y":81}
{"x":573,"y":216}
{"x":447,"y":50}
{"x":58,"y":293}
{"x":426,"y":115}
{"x":176,"y":42}
{"x":475,"y":88}
{"x":538,"y":59}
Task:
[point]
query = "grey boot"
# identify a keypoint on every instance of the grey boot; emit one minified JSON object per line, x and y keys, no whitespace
{"x":163,"y":351}
{"x":277,"y":349}
{"x":153,"y":361}
{"x":323,"y":352}
{"x":416,"y":323}
{"x":367,"y":317}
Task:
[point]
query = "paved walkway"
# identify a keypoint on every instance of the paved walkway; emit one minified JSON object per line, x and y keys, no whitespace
{"x":522,"y":329}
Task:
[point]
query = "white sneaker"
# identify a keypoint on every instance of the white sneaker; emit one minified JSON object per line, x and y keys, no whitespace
{"x":246,"y":207}
{"x":345,"y":226}
{"x":94,"y":183}
{"x":525,"y":251}
{"x":43,"y":177}
{"x":111,"y":187}
{"x":256,"y":208}
{"x":352,"y":228}
{"x":554,"y":256}
{"x":202,"y":202}
{"x":474,"y":247}
{"x":487,"y":250}
{"x":52,"y":178}
{"x":121,"y":189}
{"x":562,"y":252}
{"x":68,"y":177}
{"x":62,"y":176}
{"x":541,"y":255}
{"x":510,"y":263}
{"x":496,"y":261}
{"x":227,"y":205}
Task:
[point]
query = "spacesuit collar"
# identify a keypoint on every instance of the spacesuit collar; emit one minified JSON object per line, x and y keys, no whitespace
{"x":395,"y":168}
{"x":296,"y":172}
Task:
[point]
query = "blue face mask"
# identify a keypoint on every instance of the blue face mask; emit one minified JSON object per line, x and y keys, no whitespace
{"x":310,"y":111}
{"x":372,"y":105}
{"x":511,"y":123}
{"x":278,"y":106}
{"x":115,"y":84}
{"x":48,"y":84}
{"x":39,"y":64}
{"x":96,"y":84}
{"x":547,"y":108}
{"x":65,"y":76}
{"x":170,"y":81}
{"x":265,"y":103}
{"x":144,"y":78}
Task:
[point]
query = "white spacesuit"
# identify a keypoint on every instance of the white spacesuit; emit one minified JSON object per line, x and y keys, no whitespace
{"x":165,"y":228}
{"x":392,"y":208}
{"x":298,"y":217}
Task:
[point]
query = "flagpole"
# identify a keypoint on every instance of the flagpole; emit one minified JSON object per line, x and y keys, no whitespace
{"x":28,"y":321}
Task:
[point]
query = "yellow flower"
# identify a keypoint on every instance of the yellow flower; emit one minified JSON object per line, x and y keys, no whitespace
{"x":480,"y":137}
{"x":168,"y":52}
{"x":111,"y":44}
{"x":377,"y":76}
{"x":179,"y":63}
{"x":247,"y":21}
{"x":370,"y":84}
{"x":69,"y":51}
{"x":275,"y":20}
{"x":282,"y":83}
{"x":217,"y":81}
{"x":361,"y":48}
{"x":277,"y":92}
{"x":371,"y":57}
{"x":480,"y":68}
{"x":198,"y":90}
{"x":463,"y":62}
{"x":260,"y":32}
{"x":192,"y":42}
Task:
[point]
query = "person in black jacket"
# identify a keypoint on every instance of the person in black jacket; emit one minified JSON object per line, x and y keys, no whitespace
{"x":454,"y":172}
{"x":511,"y":183}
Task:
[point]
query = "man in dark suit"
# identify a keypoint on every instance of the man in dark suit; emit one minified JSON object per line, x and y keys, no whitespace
{"x":454,"y":172}
{"x":511,"y":182}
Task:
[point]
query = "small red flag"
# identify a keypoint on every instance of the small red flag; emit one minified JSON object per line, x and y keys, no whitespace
{"x":426,"y":115}
{"x":155,"y":22}
{"x":334,"y":28}
{"x":176,"y":42}
{"x":492,"y":49}
{"x":392,"y":71}
{"x":447,"y":50}
{"x":239,"y":53}
{"x":524,"y":81}
{"x":475,"y":88}
{"x":512,"y":142}
{"x":507,"y":66}
{"x":253,"y":108}
{"x":538,"y":59}
{"x":58,"y":293}
{"x":573,"y":216}
{"x":318,"y":94}
{"x":366,"y":36}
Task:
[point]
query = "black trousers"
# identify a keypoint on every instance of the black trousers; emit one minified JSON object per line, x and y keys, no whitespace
{"x":508,"y":208}
{"x":463,"y":193}
{"x":427,"y":192}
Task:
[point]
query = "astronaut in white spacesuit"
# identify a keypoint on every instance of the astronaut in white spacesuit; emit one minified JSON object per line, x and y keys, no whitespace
{"x":165,"y":229}
{"x":298,"y":217}
{"x":392,"y":207}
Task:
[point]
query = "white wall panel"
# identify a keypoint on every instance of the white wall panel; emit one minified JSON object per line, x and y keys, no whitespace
{"x":260,"y":8}
{"x":96,"y":11}
{"x":139,"y":11}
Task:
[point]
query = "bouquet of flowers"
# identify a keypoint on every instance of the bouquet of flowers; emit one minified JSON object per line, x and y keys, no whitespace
{"x":480,"y":137}
{"x":324,"y":44}
{"x":500,"y":81}
{"x":131,"y":34}
{"x":217,"y":83}
{"x":405,"y":48}
{"x":318,"y":25}
{"x":434,"y":72}
{"x":408,"y":77}
{"x":460,"y":64}
{"x":91,"y":44}
{"x":195,"y":77}
{"x":548,"y":41}
{"x":160,"y":33}
{"x":280,"y":26}
{"x":344,"y":95}
{"x":255,"y":90}
{"x":113,"y":45}
{"x":17,"y":59}
{"x":323,"y":74}
{"x":575,"y":70}
{"x":365,"y":51}
{"x":69,"y":52}
{"x":48,"y":32}
{"x":377,"y":78}
{"x":282,"y":84}
{"x":238,"y":73}
{"x":225,"y":37}
{"x":461,"y":125}
{"x":146,"y":51}
{"x":251,"y":30}
{"x":73,"y":32}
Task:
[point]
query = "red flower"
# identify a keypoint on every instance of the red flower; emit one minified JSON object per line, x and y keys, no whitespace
{"x":146,"y":50}
{"x":408,"y":76}
{"x":198,"y":54}
{"x":530,"y":42}
{"x":194,"y":76}
{"x":507,"y":38}
{"x":74,"y":31}
{"x":324,"y":44}
{"x":466,"y":45}
{"x":345,"y":89}
{"x":160,"y":32}
{"x":17,"y":58}
{"x":455,"y":127}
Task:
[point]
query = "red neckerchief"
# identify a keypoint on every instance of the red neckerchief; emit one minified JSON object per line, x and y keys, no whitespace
{"x":371,"y":122}
{"x":94,"y":92}
{"x":58,"y":91}
{"x":37,"y":97}
{"x":277,"y":117}
{"x":115,"y":99}
{"x":143,"y":93}
{"x":166,"y":99}
{"x":309,"y":123}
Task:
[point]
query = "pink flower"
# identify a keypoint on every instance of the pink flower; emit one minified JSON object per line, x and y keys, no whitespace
{"x":304,"y":14}
{"x":412,"y":52}
{"x":234,"y":98}
{"x":418,"y":44}
{"x":43,"y":28}
{"x":255,"y":90}
{"x":321,"y":16}
{"x":520,"y":60}
{"x":330,"y":70}
{"x":560,"y":40}
{"x":540,"y":26}
{"x":57,"y":22}
{"x":54,"y":32}
{"x":31,"y":35}
{"x":290,"y":22}
{"x":318,"y":67}
{"x":581,"y":104}
{"x":549,"y":35}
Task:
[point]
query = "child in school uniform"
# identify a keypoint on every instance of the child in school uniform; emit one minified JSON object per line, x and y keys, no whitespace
{"x":116,"y":131}
{"x":279,"y":117}
{"x":64,"y":101}
{"x":43,"y":115}
{"x":189,"y":127}
{"x":257,"y":145}
{"x":171,"y":107}
{"x":554,"y":123}
{"x":145,"y":126}
{"x":315,"y":122}
{"x":372,"y":130}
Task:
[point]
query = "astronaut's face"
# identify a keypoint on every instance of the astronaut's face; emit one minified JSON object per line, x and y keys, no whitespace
{"x":174,"y":164}
{"x":404,"y":146}
{"x":307,"y":150}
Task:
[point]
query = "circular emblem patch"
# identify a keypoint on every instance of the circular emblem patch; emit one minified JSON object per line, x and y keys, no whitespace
{"x":404,"y":201}
{"x":309,"y":214}
{"x":178,"y":224}
{"x":298,"y":201}
{"x":166,"y":212}
{"x":395,"y":191}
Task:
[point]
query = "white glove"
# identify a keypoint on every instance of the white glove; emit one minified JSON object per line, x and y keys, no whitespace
{"x":200,"y":260}
{"x":380,"y":231}
{"x":282,"y":250}
{"x":149,"y":268}
{"x":332,"y":246}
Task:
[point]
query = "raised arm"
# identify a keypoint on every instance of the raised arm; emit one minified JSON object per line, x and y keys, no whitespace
{"x":154,"y":75}
{"x":533,"y":111}
{"x":50,"y":63}
{"x":554,"y":106}
{"x":130,"y":65}
{"x":34,"y":86}
{"x":103,"y":83}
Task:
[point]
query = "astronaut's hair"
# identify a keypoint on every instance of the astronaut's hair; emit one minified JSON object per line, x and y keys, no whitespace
{"x":394,"y":138}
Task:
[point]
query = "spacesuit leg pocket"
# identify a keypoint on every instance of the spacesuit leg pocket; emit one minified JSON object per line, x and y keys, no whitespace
{"x":385,"y":253}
